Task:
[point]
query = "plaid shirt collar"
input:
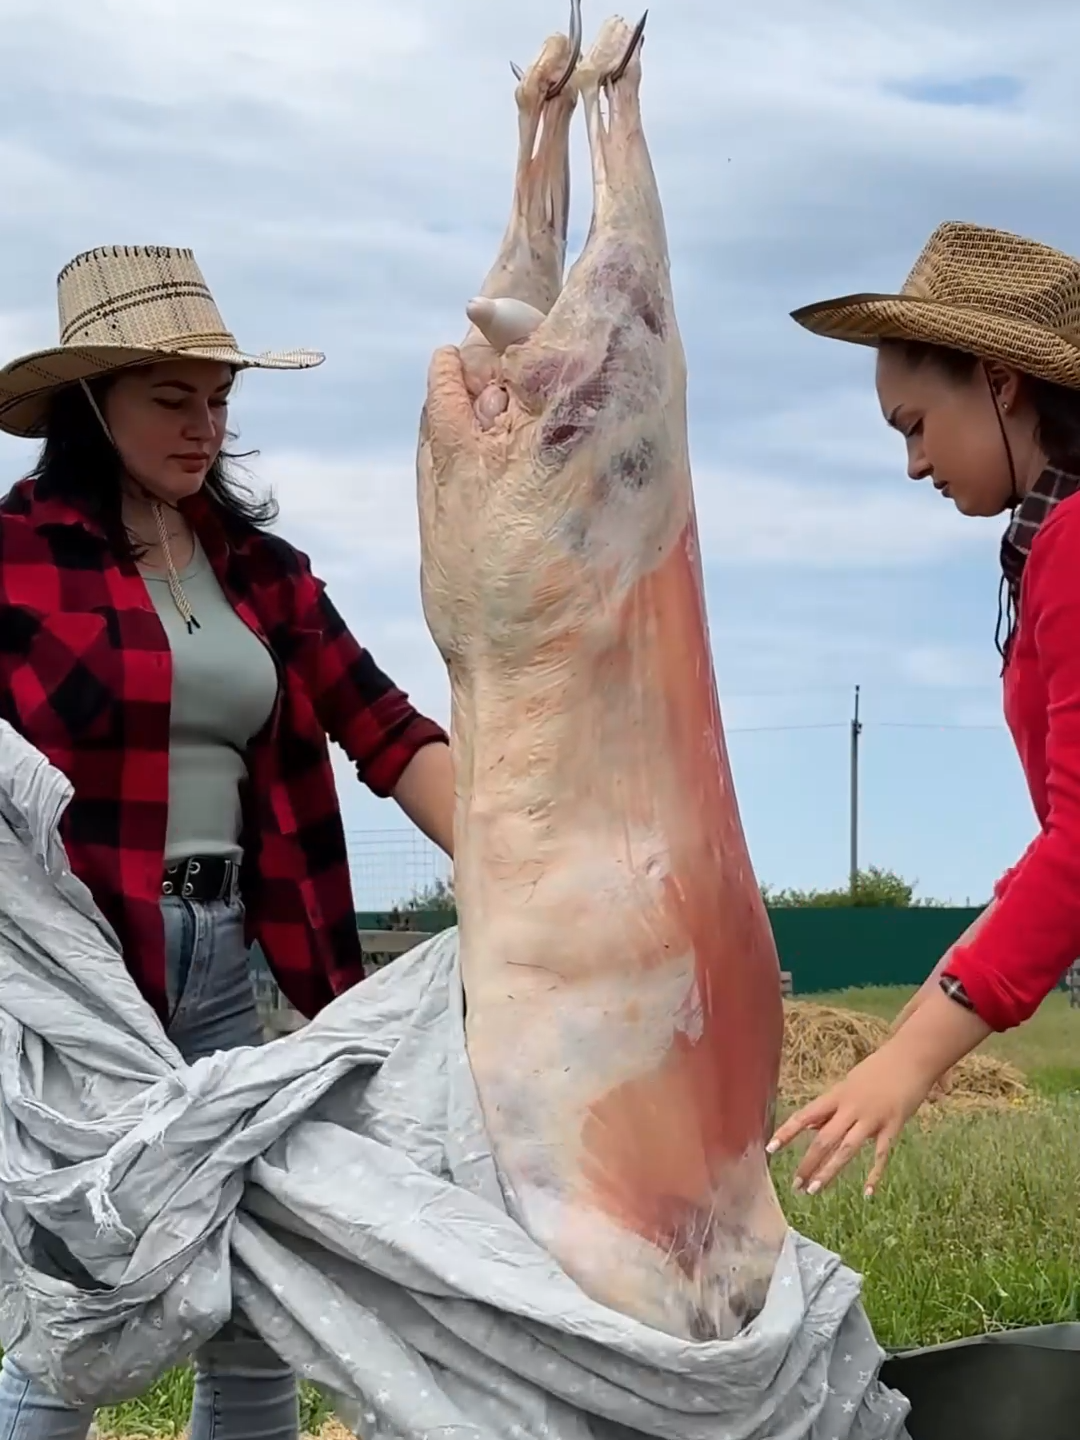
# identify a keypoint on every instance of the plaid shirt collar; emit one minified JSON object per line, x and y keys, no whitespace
{"x":45,"y":510}
{"x":1052,"y":486}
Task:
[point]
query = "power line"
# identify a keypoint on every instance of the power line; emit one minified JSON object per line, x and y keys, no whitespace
{"x":889,"y":688}
{"x":929,"y":725}
{"x":845,"y":724}
{"x":392,"y":863}
{"x":776,"y":729}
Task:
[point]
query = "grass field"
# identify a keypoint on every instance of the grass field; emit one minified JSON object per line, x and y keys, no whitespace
{"x":975,"y":1227}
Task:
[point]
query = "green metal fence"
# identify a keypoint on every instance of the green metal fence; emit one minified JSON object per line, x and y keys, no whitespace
{"x":823,"y":949}
{"x":833,"y":949}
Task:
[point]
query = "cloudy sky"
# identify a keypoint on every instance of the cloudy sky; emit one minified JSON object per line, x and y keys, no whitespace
{"x":342,"y":170}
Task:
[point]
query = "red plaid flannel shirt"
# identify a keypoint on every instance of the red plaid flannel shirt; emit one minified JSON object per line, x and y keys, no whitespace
{"x":86,"y":677}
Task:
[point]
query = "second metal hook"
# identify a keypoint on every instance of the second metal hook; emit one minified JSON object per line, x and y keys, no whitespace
{"x":635,"y":41}
{"x":575,"y":51}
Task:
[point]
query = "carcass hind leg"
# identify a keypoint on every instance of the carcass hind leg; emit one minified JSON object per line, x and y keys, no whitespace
{"x":621,"y":278}
{"x":625,"y":193}
{"x":528,"y":268}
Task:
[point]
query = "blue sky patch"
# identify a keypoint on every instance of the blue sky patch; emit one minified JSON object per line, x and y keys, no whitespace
{"x":986,"y":91}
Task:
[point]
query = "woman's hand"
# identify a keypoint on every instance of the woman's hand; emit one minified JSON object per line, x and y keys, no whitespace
{"x":879,"y":1096}
{"x":872,"y":1103}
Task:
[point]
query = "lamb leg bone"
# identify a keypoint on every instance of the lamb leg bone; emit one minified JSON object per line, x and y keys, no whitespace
{"x":503,"y":322}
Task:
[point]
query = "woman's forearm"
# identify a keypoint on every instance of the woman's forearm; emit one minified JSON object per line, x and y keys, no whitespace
{"x":938,"y":1034}
{"x":425,"y":792}
{"x":932,"y":982}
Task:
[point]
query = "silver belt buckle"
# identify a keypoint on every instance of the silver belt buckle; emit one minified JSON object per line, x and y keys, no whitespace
{"x":185,"y":870}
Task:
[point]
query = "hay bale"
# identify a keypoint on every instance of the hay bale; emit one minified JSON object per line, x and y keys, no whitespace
{"x":823,"y":1042}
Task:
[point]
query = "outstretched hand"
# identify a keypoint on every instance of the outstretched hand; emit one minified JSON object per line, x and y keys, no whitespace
{"x":872,"y":1104}
{"x":876,"y":1099}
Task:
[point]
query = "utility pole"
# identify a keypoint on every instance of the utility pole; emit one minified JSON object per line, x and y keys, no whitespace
{"x":856,"y":732}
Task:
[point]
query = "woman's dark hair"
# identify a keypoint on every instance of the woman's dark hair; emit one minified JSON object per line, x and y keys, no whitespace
{"x":1056,"y":406}
{"x":1057,"y":411}
{"x":77,"y":463}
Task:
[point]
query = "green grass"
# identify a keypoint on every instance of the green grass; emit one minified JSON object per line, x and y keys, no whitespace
{"x":165,"y":1409}
{"x":974,"y":1228}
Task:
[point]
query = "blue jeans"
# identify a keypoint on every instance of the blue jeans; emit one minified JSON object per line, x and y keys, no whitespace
{"x":243,"y":1391}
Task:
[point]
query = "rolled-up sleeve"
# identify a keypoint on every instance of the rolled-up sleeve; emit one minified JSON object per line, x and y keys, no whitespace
{"x":360,"y":707}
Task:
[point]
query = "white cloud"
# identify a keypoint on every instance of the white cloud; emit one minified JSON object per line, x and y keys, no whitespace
{"x":751,"y":519}
{"x":361,"y":513}
{"x":22,"y":331}
{"x":948,"y":667}
{"x":295,"y":55}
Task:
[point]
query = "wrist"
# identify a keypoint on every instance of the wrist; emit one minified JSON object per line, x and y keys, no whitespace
{"x":940,"y":1033}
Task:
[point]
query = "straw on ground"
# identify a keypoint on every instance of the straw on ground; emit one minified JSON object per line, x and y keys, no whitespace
{"x":822,"y":1043}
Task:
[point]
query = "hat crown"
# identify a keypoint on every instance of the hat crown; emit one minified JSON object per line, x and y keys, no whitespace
{"x":999,"y":274}
{"x":122,"y":305}
{"x":147,"y":297}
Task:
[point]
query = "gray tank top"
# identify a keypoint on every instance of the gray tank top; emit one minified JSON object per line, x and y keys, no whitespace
{"x":224,"y":687}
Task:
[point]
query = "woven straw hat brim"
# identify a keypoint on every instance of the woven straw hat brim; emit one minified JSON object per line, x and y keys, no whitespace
{"x":27,"y":384}
{"x":866,"y":319}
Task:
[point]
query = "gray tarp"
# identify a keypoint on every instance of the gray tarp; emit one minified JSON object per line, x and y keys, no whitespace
{"x":337,"y":1188}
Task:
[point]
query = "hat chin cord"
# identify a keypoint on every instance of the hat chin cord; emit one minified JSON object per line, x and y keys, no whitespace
{"x":1007,"y":611}
{"x":176,"y":589}
{"x":1014,"y":494}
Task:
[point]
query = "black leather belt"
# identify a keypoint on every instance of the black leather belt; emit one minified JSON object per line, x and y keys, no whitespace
{"x":201,"y":877}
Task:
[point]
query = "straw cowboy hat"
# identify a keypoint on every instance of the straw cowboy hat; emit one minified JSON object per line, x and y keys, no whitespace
{"x":992,"y":294}
{"x":123,"y":305}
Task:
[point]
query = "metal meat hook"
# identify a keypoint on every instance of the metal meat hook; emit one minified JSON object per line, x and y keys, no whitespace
{"x":558,"y":86}
{"x":635,"y":40}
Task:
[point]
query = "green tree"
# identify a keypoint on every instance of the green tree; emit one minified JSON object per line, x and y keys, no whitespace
{"x":438,"y":896}
{"x":873,"y":888}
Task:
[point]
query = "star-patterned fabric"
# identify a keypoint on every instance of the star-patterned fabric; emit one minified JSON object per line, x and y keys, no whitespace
{"x":337,"y":1190}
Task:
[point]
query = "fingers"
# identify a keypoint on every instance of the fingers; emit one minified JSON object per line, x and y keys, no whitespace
{"x":810,"y":1117}
{"x":881,"y":1156}
{"x":449,"y":418}
{"x":835,"y":1147}
{"x":840,"y":1136}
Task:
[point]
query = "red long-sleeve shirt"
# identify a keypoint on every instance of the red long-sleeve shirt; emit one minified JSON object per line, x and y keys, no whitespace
{"x":1032,"y":935}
